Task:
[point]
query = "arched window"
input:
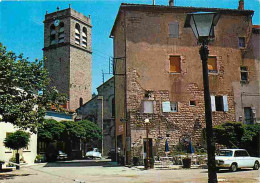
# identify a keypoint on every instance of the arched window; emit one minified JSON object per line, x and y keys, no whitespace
{"x":113,"y":107}
{"x":81,"y":102}
{"x":52,"y":35}
{"x":77,"y":34}
{"x":84,"y":37}
{"x":61,"y":33}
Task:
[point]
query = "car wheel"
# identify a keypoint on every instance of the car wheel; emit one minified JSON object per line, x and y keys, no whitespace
{"x":233,"y":167}
{"x":256,"y":165}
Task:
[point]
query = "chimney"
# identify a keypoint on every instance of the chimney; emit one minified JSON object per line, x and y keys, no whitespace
{"x":241,"y":5}
{"x":171,"y":3}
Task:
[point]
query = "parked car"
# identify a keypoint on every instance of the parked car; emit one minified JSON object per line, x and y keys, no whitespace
{"x":233,"y":159}
{"x":93,"y":154}
{"x":62,"y":155}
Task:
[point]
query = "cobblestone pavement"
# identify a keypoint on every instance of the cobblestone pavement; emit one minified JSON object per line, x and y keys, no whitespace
{"x":104,"y":172}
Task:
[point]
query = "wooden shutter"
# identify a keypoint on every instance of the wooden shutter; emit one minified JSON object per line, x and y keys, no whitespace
{"x":175,"y":64}
{"x":174,"y":29}
{"x":225,"y":103}
{"x":213,"y":105}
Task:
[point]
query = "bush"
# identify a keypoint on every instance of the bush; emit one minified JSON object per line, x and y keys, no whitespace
{"x":39,"y":158}
{"x":238,"y":135}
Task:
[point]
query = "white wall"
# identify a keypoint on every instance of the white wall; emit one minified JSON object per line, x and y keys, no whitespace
{"x":5,"y":153}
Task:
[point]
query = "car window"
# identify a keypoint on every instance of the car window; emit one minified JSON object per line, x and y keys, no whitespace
{"x":225,"y":153}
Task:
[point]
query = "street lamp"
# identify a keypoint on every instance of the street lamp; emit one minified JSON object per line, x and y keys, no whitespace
{"x":202,"y":25}
{"x":147,"y":122}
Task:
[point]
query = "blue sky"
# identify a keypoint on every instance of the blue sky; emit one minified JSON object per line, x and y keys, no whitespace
{"x":21,"y":24}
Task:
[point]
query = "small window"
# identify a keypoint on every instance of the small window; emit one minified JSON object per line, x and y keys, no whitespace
{"x":173,"y":30}
{"x":148,"y":106}
{"x":81,"y":102}
{"x":61,"y":33}
{"x":77,"y":34}
{"x":113,"y":107}
{"x":219,"y":103}
{"x":192,"y":103}
{"x":248,"y":116}
{"x":241,"y":42}
{"x":84,"y":37}
{"x":52,"y":35}
{"x":174,"y":106}
{"x":212,"y":65}
{"x":244,"y":73}
{"x":175,"y":64}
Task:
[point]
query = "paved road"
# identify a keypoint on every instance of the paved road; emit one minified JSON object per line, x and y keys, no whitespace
{"x":104,"y":172}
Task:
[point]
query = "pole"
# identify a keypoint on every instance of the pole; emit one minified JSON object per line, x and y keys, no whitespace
{"x":212,"y":175}
{"x":147,"y":148}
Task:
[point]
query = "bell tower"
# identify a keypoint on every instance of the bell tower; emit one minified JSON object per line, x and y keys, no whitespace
{"x":68,"y":53}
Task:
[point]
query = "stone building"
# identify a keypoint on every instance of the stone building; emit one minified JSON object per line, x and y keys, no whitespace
{"x":68,"y":53}
{"x":100,"y":110}
{"x":158,"y":74}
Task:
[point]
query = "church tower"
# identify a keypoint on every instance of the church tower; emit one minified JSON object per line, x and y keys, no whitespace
{"x":68,"y":53}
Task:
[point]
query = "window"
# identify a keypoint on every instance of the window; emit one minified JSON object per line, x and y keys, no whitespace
{"x":248,"y":116}
{"x":212,"y":65}
{"x":84,"y":37}
{"x":52,"y":35}
{"x":169,"y":106}
{"x":81,"y":102}
{"x":113,"y":107}
{"x":175,"y":64}
{"x":148,"y":106}
{"x":174,"y":107}
{"x":244,"y":73}
{"x":173,"y":30}
{"x":241,"y":42}
{"x":61,"y":33}
{"x":77,"y":34}
{"x":219,"y":103}
{"x":192,"y":103}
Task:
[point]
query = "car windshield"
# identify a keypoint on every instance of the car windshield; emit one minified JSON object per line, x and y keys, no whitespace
{"x":225,"y":153}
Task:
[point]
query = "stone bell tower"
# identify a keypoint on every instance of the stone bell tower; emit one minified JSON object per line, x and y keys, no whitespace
{"x":68,"y":53}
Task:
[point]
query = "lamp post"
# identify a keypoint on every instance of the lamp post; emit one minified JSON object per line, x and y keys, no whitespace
{"x":202,"y":25}
{"x":146,"y":122}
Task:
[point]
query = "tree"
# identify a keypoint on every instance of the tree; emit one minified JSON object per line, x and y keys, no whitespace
{"x":50,"y":130}
{"x":16,"y":141}
{"x":20,"y":83}
{"x":92,"y":132}
{"x":236,"y":134}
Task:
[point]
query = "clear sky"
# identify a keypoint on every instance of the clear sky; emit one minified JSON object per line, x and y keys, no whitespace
{"x":21,"y":25}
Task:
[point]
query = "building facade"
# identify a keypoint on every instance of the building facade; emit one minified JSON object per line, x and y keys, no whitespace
{"x":101,"y":110}
{"x":27,"y":155}
{"x":68,"y":53}
{"x":158,"y":75}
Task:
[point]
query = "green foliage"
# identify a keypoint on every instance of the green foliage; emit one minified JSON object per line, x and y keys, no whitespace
{"x":17,"y":140}
{"x":39,"y":158}
{"x":20,"y":82}
{"x":236,"y":134}
{"x":92,"y":131}
{"x":73,"y":129}
{"x":50,"y":130}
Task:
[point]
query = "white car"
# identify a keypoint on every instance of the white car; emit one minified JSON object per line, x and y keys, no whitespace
{"x":233,"y":159}
{"x":93,"y":154}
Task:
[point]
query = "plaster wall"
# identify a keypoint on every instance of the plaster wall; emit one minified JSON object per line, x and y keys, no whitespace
{"x":28,"y":155}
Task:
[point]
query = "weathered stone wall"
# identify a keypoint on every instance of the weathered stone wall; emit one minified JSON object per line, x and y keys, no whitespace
{"x":148,"y":49}
{"x":69,"y":64}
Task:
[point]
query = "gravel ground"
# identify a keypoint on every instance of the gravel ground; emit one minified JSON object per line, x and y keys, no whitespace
{"x":104,"y":172}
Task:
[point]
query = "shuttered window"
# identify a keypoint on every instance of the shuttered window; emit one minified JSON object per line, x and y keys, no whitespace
{"x":173,"y":29}
{"x":175,"y":64}
{"x":219,"y":103}
{"x":212,"y":65}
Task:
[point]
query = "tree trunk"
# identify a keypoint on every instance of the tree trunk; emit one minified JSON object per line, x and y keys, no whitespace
{"x":17,"y":160}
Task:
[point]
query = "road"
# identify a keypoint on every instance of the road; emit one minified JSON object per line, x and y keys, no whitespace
{"x":103,"y":172}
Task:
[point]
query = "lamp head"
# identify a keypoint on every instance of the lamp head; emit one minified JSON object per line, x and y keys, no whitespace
{"x":202,"y":24}
{"x":146,"y":121}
